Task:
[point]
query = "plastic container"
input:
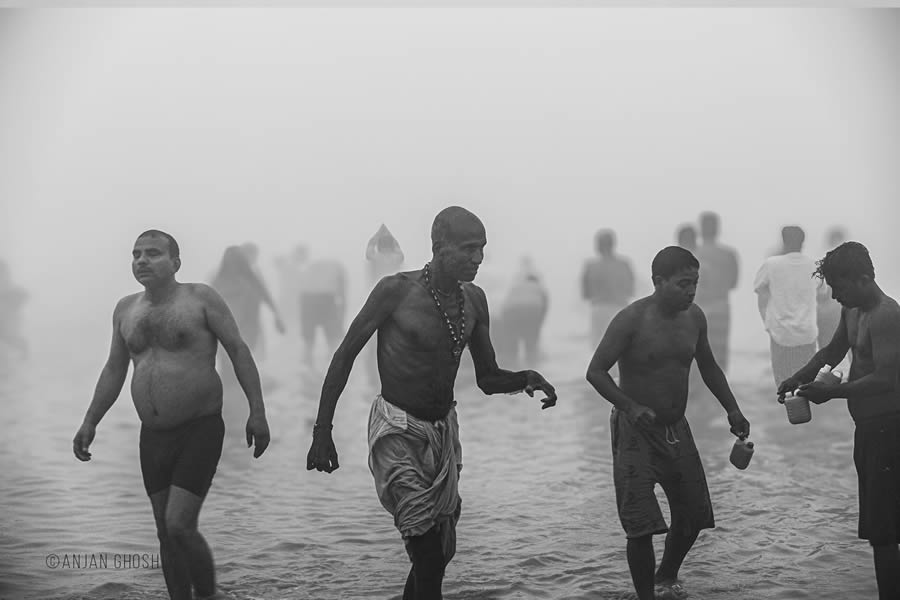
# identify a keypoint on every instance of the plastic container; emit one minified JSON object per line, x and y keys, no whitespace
{"x":826,"y":375}
{"x":798,"y":410}
{"x":741,"y":453}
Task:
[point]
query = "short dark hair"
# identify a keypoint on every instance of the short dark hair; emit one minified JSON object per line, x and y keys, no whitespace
{"x":605,"y":240}
{"x":672,"y":259}
{"x":792,"y":235}
{"x":709,"y":224}
{"x":850,"y":260}
{"x":174,"y":250}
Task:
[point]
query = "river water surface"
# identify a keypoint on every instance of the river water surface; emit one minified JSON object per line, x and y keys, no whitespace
{"x":538,"y":521}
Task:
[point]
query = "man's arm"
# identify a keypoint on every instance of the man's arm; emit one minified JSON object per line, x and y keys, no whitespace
{"x":733,"y":269}
{"x":884,"y":332}
{"x":762,"y":300}
{"x":109,"y":385}
{"x":832,"y":354}
{"x":715,"y":380}
{"x":585,"y":273}
{"x":761,"y":287}
{"x":491,"y":379}
{"x":221,"y":323}
{"x":629,"y":281}
{"x":379,"y":306}
{"x":612,"y":346}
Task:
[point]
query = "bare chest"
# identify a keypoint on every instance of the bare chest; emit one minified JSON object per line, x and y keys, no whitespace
{"x":657,"y":342}
{"x":424,"y":326}
{"x":858,"y":334}
{"x":172,"y":328}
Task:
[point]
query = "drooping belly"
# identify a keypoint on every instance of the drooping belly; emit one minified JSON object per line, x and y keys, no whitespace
{"x":170,"y":388}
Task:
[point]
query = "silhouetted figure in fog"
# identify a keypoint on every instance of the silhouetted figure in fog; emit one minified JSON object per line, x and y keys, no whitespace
{"x":251,"y":251}
{"x":523,"y":312}
{"x":383,"y":257}
{"x":786,"y":297}
{"x":424,"y":320}
{"x":12,"y":303}
{"x":607,"y":283}
{"x":828,"y":310}
{"x":654,"y":340}
{"x":686,"y":237}
{"x":870,"y":329}
{"x":718,"y":276}
{"x":323,"y":301}
{"x":245,"y":293}
{"x":290,"y":267}
{"x":171,"y":332}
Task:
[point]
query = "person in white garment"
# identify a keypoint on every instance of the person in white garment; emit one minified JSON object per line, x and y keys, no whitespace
{"x":786,"y":296}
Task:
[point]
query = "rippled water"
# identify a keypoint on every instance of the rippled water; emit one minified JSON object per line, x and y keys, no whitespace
{"x":539,"y":518}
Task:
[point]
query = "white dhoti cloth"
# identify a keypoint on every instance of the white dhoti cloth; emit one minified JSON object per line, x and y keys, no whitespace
{"x":416,"y":467}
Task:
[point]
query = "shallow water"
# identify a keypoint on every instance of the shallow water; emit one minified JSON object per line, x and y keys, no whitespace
{"x":539,"y":518}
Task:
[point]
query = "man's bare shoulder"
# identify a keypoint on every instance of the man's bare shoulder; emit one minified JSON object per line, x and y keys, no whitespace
{"x":126,"y":302}
{"x":203,"y":292}
{"x":470,"y":287}
{"x":638,"y":307}
{"x":396,"y":286}
{"x":888,"y":312}
{"x":633,"y":315}
{"x":696,"y":314}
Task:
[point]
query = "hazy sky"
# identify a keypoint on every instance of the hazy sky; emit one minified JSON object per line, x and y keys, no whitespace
{"x":275,"y":125}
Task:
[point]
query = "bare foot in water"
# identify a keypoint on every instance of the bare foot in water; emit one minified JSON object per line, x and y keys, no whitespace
{"x":670,"y":590}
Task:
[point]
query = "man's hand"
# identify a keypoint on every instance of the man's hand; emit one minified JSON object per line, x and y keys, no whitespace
{"x":257,"y":434}
{"x":322,"y":454}
{"x":788,"y":386}
{"x":82,"y":441}
{"x":641,"y":416}
{"x":817,"y":392}
{"x":535,"y":381}
{"x":740,"y":426}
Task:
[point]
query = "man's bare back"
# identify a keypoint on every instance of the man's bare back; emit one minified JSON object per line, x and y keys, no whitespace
{"x":174,"y":353}
{"x":656,"y":362}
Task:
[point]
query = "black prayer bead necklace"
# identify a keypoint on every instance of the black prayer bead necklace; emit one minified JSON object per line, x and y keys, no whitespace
{"x":456,"y":337}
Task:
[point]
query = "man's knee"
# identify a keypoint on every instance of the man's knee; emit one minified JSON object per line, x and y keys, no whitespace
{"x":178,"y":529}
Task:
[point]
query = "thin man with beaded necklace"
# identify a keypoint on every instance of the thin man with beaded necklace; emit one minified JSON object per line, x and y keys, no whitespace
{"x":424,"y":320}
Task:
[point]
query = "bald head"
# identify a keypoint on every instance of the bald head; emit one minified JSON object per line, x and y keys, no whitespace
{"x":452,"y":224}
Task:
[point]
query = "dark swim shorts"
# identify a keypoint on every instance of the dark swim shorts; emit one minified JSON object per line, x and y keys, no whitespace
{"x":876,"y":452}
{"x":659,"y":454}
{"x":185,"y":456}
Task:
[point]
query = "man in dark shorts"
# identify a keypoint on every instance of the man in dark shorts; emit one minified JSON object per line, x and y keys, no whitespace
{"x":655,"y":340}
{"x":323,"y":300}
{"x":870,"y":329}
{"x":424,"y":320}
{"x":171,"y":332}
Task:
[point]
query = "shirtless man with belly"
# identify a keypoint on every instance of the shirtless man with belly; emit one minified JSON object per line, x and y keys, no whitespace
{"x":171,"y":331}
